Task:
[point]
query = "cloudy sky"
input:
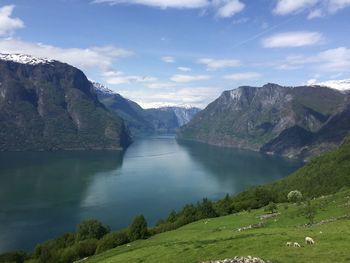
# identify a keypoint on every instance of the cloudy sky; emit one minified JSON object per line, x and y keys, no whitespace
{"x":184,"y":52}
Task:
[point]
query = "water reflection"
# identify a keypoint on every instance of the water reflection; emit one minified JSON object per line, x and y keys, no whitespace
{"x":43,"y":195}
{"x":40,"y":193}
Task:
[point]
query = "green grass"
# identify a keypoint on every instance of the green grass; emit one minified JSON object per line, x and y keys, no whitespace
{"x":219,"y":238}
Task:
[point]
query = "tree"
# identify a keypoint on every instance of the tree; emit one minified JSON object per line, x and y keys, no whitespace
{"x":224,"y":206}
{"x":295,"y":196}
{"x":205,"y":209}
{"x":138,"y":228}
{"x":271,"y":207}
{"x":309,"y":211}
{"x":112,"y":240}
{"x":91,"y":229}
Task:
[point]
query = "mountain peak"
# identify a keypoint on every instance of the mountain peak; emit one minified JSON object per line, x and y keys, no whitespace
{"x":102,"y":88}
{"x":25,"y":59}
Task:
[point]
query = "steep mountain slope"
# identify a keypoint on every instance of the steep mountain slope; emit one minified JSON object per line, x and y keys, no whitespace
{"x":271,"y":118}
{"x":130,"y":111}
{"x":144,"y":121}
{"x":49,"y":105}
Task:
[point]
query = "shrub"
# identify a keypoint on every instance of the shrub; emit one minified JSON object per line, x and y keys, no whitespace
{"x":138,"y":228}
{"x":86,"y":248}
{"x":271,"y":207}
{"x":69,"y":255}
{"x":309,"y":211}
{"x":112,"y":240}
{"x":295,"y":196}
{"x":16,"y":257}
{"x":91,"y":229}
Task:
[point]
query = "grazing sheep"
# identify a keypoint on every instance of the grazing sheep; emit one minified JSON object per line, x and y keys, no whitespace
{"x":296,"y":244}
{"x":289,"y":244}
{"x":309,"y":240}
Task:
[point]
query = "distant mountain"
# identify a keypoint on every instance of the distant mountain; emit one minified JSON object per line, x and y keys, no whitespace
{"x":290,"y":121}
{"x":144,"y":121}
{"x":49,"y":105}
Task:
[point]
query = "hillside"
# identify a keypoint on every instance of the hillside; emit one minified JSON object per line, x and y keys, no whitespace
{"x":144,"y":121}
{"x":219,"y":238}
{"x":326,"y":178}
{"x":49,"y":105}
{"x":289,"y":121}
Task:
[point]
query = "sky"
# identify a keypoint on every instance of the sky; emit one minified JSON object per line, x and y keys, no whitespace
{"x":184,"y":52}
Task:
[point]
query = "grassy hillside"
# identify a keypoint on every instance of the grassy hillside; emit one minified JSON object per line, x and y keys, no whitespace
{"x":219,"y":238}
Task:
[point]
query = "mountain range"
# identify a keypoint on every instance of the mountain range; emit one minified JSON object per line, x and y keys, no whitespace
{"x":49,"y":105}
{"x":301,"y":121}
{"x":145,"y":121}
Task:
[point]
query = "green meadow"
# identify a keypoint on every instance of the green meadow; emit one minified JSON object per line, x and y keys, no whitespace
{"x":219,"y":238}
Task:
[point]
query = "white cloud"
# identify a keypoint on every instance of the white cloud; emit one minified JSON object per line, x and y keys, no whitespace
{"x":287,"y":7}
{"x":8,"y":24}
{"x":223,"y":8}
{"x":230,"y":8}
{"x":118,"y":77}
{"x":160,"y":85}
{"x":83,"y":58}
{"x":214,"y":64}
{"x":315,"y":14}
{"x":180,"y":4}
{"x":194,"y":96}
{"x":331,"y":60}
{"x":342,"y":84}
{"x":292,"y":39}
{"x":243,"y":76}
{"x":184,"y":69}
{"x":335,"y":5}
{"x":311,"y":82}
{"x":168,"y":59}
{"x":188,"y":78}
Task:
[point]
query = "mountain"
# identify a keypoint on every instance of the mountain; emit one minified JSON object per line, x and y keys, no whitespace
{"x":290,"y":121}
{"x":144,"y":121}
{"x":128,"y":110}
{"x":49,"y":105}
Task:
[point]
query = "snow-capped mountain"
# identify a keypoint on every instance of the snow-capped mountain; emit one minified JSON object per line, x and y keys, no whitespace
{"x":140,"y":121}
{"x":343,"y":84}
{"x":25,"y":59}
{"x":102,"y":88}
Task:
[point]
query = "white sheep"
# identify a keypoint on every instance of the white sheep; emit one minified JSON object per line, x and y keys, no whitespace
{"x":296,"y":244}
{"x":309,"y":240}
{"x":289,"y":244}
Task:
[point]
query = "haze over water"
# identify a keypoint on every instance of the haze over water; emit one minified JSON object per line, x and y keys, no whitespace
{"x":43,"y":195}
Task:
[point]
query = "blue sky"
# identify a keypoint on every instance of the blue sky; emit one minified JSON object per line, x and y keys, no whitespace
{"x":184,"y":52}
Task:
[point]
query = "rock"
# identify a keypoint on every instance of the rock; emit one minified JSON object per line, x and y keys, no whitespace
{"x":248,"y":259}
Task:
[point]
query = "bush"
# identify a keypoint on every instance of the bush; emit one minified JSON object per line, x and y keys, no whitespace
{"x":205,"y":209}
{"x":112,"y":240}
{"x":138,"y":228}
{"x":295,"y":196}
{"x":309,"y":211}
{"x":86,"y":248}
{"x":16,"y":257}
{"x":271,"y":207}
{"x":91,"y":229}
{"x":69,"y":255}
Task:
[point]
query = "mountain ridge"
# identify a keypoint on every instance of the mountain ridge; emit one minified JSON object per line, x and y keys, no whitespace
{"x":252,"y":117}
{"x":50,"y":105}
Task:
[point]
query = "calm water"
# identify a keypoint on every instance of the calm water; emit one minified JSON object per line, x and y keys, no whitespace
{"x":43,"y":195}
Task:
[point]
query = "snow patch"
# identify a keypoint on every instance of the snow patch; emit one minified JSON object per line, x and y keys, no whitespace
{"x":25,"y":59}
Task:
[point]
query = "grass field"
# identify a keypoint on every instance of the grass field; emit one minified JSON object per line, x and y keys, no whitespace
{"x":219,"y":238}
